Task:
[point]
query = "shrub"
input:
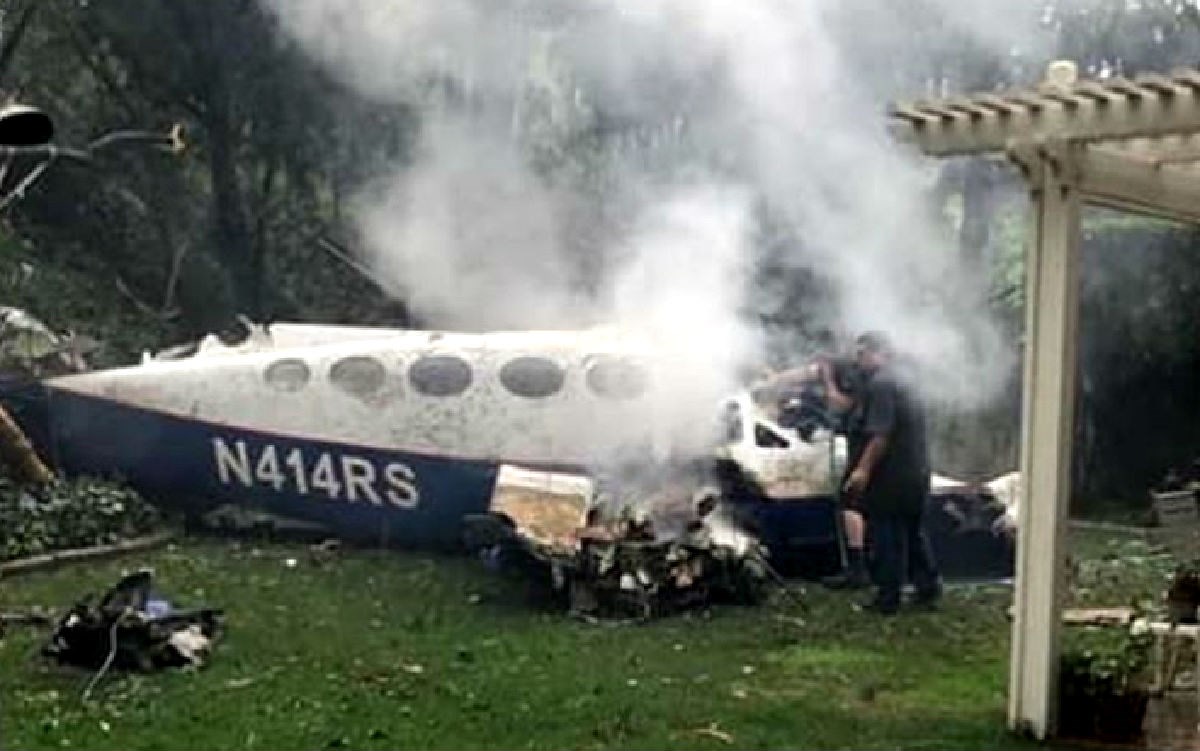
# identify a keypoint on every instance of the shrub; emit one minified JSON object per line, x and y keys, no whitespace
{"x":69,"y":514}
{"x":1104,"y":683}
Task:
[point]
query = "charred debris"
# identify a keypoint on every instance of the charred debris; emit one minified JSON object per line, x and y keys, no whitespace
{"x":132,"y":626}
{"x":654,"y":543}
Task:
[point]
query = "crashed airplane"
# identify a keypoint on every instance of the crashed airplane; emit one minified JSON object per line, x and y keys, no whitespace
{"x":399,"y":435}
{"x":371,"y":432}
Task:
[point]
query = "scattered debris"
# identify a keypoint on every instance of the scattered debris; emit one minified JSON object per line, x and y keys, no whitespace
{"x":672,"y":550}
{"x":325,"y":552}
{"x":29,"y":347}
{"x":22,"y":619}
{"x":713,"y":731}
{"x":244,"y":519}
{"x":133,"y":628}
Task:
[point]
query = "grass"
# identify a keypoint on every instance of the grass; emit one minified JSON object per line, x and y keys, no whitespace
{"x":382,"y":650}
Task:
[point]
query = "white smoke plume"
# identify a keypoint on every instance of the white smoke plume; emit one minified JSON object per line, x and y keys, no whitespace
{"x":470,"y":235}
{"x":739,"y":105}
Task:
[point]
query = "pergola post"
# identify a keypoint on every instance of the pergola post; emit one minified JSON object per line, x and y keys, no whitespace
{"x":1130,"y":145}
{"x":1051,"y":305}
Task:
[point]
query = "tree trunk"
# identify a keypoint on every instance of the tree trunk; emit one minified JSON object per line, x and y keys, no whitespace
{"x":259,"y":241}
{"x":235,"y":244}
{"x":18,"y":453}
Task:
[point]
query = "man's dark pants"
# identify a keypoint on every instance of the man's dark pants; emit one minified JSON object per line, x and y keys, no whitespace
{"x":901,"y":545}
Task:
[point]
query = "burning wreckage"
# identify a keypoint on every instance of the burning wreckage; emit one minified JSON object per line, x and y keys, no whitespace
{"x":655,"y":548}
{"x":401,"y":436}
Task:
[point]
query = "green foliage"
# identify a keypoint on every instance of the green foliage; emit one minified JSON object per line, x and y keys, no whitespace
{"x":69,"y":514}
{"x":71,"y":297}
{"x":1104,"y":682}
{"x":1104,"y":671}
{"x":1102,"y":660}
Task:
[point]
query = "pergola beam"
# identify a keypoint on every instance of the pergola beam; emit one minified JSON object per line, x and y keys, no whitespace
{"x":1151,"y":106}
{"x":1122,"y":181}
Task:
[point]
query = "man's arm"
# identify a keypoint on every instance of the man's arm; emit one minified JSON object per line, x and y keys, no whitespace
{"x":860,"y":477}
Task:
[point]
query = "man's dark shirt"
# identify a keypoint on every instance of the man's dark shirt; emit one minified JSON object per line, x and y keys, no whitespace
{"x":886,"y":405}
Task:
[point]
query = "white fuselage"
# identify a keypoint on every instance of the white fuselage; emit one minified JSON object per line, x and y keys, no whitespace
{"x":564,"y":398}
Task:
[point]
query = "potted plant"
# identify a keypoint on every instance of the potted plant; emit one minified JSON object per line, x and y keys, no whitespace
{"x":1104,"y":683}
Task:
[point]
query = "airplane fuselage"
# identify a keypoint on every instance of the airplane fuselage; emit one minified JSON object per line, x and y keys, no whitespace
{"x":371,"y":432}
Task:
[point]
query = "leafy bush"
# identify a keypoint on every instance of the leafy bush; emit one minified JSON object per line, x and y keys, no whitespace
{"x":69,"y":514}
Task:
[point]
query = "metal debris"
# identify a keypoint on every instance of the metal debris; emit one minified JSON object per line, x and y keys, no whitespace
{"x":133,"y":628}
{"x":673,"y":550}
{"x":29,"y":347}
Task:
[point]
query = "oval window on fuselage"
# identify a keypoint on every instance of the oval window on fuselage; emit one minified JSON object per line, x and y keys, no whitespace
{"x":617,"y":378}
{"x":532,"y":377}
{"x":290,"y":374}
{"x":440,"y":375}
{"x":358,"y":375}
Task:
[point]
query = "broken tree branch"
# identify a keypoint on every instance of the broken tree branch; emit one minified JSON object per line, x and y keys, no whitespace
{"x":18,"y":192}
{"x":343,"y":255}
{"x":168,"y":306}
{"x":172,"y":141}
{"x":32,"y":563}
{"x":127,"y":293}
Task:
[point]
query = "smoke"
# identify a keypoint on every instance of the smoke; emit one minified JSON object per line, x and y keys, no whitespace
{"x":609,"y":161}
{"x":470,"y":235}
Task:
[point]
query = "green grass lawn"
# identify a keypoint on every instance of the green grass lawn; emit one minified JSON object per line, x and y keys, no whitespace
{"x":398,"y":650}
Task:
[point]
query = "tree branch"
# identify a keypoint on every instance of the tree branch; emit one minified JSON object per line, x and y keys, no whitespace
{"x":168,"y":306}
{"x":172,"y":141}
{"x":127,"y":293}
{"x":337,"y":251}
{"x":14,"y":36}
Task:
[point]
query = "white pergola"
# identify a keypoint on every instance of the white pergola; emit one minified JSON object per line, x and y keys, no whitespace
{"x":1128,"y":144}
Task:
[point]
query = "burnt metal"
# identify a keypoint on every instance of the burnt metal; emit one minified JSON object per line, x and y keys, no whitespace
{"x":624,"y":570}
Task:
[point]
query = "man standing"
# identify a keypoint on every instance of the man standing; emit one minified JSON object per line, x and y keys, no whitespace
{"x":888,"y":476}
{"x":839,"y":382}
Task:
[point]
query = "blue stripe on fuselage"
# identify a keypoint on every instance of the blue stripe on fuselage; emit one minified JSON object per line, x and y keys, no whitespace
{"x":358,"y":491}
